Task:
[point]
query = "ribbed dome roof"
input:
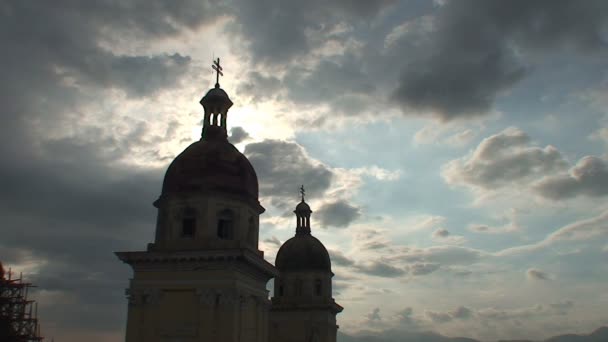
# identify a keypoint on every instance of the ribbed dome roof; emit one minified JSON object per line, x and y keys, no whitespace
{"x":211,"y":166}
{"x":303,"y":252}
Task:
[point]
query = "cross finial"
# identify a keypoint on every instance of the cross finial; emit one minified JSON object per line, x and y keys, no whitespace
{"x":218,"y":70}
{"x":302,"y":192}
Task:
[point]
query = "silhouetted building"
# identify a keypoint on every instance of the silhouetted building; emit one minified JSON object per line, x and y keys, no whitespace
{"x":302,"y":307}
{"x":203,"y":278}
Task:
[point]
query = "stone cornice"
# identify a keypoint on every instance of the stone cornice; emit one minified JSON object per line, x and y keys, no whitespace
{"x":330,"y":305}
{"x":196,"y":257}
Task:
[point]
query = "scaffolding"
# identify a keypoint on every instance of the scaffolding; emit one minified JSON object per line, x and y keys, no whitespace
{"x":18,"y":315}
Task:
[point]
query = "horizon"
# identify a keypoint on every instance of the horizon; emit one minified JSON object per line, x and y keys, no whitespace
{"x":454,"y":153}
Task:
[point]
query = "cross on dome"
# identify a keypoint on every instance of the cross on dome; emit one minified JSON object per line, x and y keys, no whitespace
{"x":218,"y":71}
{"x":302,"y":192}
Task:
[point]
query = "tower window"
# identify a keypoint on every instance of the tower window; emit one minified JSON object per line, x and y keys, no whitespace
{"x":318,"y":287}
{"x":298,"y":287}
{"x":188,"y":227}
{"x":225,"y":225}
{"x":189,"y":223}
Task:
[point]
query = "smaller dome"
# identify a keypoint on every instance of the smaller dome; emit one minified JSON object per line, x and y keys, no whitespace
{"x":216,"y":92}
{"x":303,"y":253}
{"x":303,"y":206}
{"x":216,"y":97}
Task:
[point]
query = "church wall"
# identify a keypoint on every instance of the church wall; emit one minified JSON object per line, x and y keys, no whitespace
{"x":206,"y":212}
{"x":210,"y":305}
{"x":289,"y":282}
{"x":302,"y":326}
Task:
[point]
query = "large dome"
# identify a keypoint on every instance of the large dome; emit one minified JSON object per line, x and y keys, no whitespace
{"x":303,"y":252}
{"x":212,"y":166}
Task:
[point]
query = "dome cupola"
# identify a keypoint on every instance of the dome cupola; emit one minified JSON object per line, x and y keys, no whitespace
{"x":303,"y":251}
{"x":213,"y":165}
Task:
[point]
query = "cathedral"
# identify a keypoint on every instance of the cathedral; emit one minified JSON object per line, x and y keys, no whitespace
{"x":204,"y":278}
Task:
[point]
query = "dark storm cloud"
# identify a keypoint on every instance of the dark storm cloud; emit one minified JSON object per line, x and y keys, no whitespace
{"x":282,"y":165}
{"x":65,"y":40}
{"x":278,"y":31}
{"x":67,"y":203}
{"x":454,"y":62}
{"x":337,"y":214}
{"x":474,"y":48}
{"x":589,"y":177}
{"x":259,"y":86}
{"x":326,"y":80}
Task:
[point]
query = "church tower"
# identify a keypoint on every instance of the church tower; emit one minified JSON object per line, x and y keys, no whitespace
{"x":303,"y":309}
{"x":203,"y":278}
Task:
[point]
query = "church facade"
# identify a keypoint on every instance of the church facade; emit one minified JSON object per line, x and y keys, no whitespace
{"x":204,"y":278}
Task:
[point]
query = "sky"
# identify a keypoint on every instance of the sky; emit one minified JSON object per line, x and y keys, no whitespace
{"x":454,"y":152}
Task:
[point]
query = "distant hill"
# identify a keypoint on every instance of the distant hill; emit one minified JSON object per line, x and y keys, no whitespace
{"x":599,"y":335}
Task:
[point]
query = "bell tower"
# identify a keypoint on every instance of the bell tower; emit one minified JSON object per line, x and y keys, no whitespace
{"x":303,"y":309}
{"x":203,"y":278}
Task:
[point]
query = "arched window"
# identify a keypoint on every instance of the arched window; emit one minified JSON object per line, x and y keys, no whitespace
{"x":298,"y":287}
{"x":318,"y":287}
{"x":189,"y":223}
{"x":225,"y":223}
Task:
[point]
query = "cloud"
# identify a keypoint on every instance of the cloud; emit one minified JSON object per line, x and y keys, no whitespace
{"x":274,"y":241}
{"x":552,"y":309}
{"x":577,"y":231}
{"x":474,"y":51}
{"x":460,"y":312}
{"x":536,"y":274}
{"x":282,"y":166}
{"x":589,"y":177}
{"x":259,"y":86}
{"x":486,"y":229}
{"x":423,"y":268}
{"x":441,"y":233}
{"x":380,"y":268}
{"x":338,"y":258}
{"x":442,"y":255}
{"x":69,"y":199}
{"x":562,"y":307}
{"x":338,"y":214}
{"x":427,"y":222}
{"x":290,"y":30}
{"x":374,"y":315}
{"x":238,"y":135}
{"x":333,"y":82}
{"x":506,"y":158}
{"x":460,"y":138}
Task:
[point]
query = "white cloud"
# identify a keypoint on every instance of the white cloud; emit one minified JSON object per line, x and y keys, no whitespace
{"x":504,"y":159}
{"x":460,"y":138}
{"x":577,"y":231}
